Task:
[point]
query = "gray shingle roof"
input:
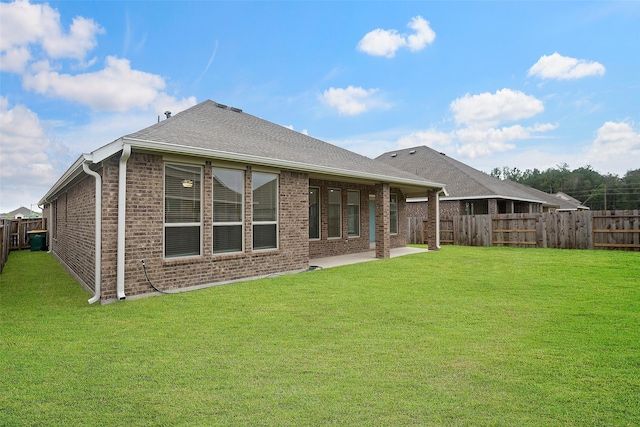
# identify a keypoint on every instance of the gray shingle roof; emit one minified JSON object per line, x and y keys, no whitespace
{"x":549,"y":199}
{"x":462,"y":181}
{"x":212,"y":126}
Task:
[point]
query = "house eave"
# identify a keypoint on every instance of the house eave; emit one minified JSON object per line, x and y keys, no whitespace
{"x":495,"y":196}
{"x":163,"y":147}
{"x":409,"y":186}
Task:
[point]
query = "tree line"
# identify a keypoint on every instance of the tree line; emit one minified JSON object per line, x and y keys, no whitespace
{"x":597,"y":191}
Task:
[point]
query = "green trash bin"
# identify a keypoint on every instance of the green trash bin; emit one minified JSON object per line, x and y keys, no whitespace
{"x":37,"y":240}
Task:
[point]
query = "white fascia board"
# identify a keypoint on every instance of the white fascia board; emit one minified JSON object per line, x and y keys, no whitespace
{"x":263,"y":161}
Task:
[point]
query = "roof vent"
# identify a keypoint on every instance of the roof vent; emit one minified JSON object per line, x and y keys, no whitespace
{"x":412,"y":152}
{"x":237,"y":110}
{"x":221,"y":106}
{"x":394,"y":154}
{"x":443,"y":154}
{"x":167,"y":113}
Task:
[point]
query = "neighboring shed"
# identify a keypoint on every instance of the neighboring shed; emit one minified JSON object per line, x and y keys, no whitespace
{"x":212,"y":195}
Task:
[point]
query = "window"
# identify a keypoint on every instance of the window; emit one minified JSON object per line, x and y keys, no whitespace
{"x":314,"y":213}
{"x":353,"y":211}
{"x":228,"y":200}
{"x":182,"y":211}
{"x":335,"y":213}
{"x":265,"y":210}
{"x":393,"y":214}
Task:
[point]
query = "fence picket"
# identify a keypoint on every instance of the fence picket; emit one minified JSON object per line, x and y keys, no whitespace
{"x":563,"y":230}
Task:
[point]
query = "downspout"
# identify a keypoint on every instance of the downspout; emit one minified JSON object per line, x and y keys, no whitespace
{"x":122,"y":209}
{"x":98,"y":222}
{"x":437,"y":219}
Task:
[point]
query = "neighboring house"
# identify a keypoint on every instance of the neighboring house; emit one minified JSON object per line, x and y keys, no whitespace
{"x":569,"y":203}
{"x":213,"y":195}
{"x":468,"y":190}
{"x":21,"y":213}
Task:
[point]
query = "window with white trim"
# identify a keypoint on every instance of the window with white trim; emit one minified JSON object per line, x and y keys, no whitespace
{"x":353,"y":211}
{"x":334,"y":219}
{"x":314,"y":213}
{"x":182,"y":210}
{"x":393,"y":214}
{"x":228,"y":200}
{"x":265,"y":210}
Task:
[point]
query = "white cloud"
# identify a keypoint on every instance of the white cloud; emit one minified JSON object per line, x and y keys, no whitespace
{"x":386,"y":43}
{"x":14,"y":59}
{"x":115,"y":88}
{"x":491,"y":109}
{"x":616,"y":148}
{"x":26,"y":168}
{"x":352,"y":100}
{"x":472,"y":142}
{"x":560,"y":67}
{"x":24,"y":24}
{"x":423,"y":36}
{"x":431,"y":138}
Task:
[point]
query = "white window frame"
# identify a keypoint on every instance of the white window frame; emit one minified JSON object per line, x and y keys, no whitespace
{"x":228,"y":223}
{"x":319,"y":206}
{"x":357,"y":222}
{"x":277,"y":208}
{"x":329,"y":191}
{"x":391,"y":197}
{"x":166,"y":224}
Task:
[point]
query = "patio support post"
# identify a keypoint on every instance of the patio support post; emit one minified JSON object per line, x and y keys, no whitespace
{"x":383,"y":224}
{"x":433,"y":220}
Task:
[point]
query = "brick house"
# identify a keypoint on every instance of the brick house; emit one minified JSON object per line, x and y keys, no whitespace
{"x":469,"y":191}
{"x":214,"y":195}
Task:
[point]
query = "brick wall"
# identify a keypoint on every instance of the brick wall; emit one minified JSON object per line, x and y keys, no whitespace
{"x":347,"y":245}
{"x":145,"y":229}
{"x":74,"y":237}
{"x":73,"y":228}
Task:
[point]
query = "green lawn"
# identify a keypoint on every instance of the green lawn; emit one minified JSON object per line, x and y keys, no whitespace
{"x":463,"y":336}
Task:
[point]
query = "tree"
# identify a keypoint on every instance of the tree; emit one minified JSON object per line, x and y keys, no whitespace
{"x":593,"y":189}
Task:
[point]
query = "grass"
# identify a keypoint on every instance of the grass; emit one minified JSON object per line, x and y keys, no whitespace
{"x":463,"y":336}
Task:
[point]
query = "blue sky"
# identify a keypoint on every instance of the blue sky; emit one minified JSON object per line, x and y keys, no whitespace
{"x":492,"y":84}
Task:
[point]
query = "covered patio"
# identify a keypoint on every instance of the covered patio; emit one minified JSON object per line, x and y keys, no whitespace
{"x":336,"y":261}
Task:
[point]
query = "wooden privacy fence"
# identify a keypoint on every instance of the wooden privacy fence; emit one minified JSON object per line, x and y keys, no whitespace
{"x":14,"y":235}
{"x":563,"y":230}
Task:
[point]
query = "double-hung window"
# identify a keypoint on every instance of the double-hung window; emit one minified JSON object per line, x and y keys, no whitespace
{"x":182,"y":210}
{"x":353,"y":209}
{"x":265,"y":210}
{"x":334,"y":219}
{"x":314,"y":213}
{"x":228,"y":200}
{"x":393,"y":214}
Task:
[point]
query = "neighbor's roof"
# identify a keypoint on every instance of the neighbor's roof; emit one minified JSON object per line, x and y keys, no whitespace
{"x":462,"y":181}
{"x":215,"y":131}
{"x":560,"y":203}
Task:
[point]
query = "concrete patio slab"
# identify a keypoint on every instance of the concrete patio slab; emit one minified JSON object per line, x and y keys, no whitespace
{"x":335,"y":261}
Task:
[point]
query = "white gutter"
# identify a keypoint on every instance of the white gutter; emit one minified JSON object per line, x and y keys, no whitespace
{"x":98,"y":222}
{"x":265,"y":161}
{"x":122,"y":209}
